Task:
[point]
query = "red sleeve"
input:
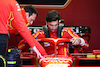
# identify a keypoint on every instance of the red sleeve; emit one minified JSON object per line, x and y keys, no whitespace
{"x":68,"y":32}
{"x":21,"y":27}
{"x":12,"y":29}
{"x":39,"y":34}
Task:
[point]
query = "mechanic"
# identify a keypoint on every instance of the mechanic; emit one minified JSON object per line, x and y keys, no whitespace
{"x":9,"y":9}
{"x":54,"y":29}
{"x":29,"y":14}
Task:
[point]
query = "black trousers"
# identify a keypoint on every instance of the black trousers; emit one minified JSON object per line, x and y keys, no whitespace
{"x":3,"y":44}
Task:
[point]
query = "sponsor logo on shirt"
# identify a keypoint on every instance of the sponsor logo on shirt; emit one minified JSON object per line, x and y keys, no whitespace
{"x":18,"y":7}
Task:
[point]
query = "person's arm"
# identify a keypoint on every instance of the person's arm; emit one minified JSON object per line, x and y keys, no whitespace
{"x":75,"y":39}
{"x":39,"y":34}
{"x":11,"y":24}
{"x":24,"y":31}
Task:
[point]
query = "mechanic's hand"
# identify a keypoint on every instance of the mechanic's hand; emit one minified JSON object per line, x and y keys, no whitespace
{"x":76,"y":41}
{"x":39,"y":56}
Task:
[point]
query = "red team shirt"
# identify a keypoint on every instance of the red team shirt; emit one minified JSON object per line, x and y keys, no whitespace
{"x":9,"y":9}
{"x":62,"y":48}
{"x":11,"y":24}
